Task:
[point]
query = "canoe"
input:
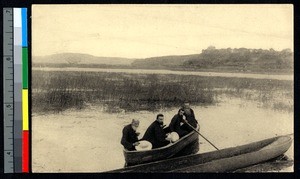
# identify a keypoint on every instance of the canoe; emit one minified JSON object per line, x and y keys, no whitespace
{"x":223,"y":160}
{"x":188,"y":144}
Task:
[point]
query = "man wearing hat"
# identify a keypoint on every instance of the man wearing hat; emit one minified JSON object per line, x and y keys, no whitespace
{"x":156,"y":134}
{"x":189,"y":116}
{"x":130,"y":136}
{"x":177,"y":123}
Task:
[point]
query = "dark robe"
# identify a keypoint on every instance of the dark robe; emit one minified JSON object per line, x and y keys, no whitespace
{"x":190,"y":117}
{"x":129,"y":137}
{"x":176,"y":127}
{"x":156,"y":135}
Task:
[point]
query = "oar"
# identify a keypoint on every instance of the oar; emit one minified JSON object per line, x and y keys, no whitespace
{"x":200,"y":134}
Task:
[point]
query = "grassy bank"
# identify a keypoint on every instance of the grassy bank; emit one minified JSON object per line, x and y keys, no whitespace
{"x":57,"y":91}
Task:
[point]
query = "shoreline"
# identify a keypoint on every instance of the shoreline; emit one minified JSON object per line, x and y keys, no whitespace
{"x":170,"y":72}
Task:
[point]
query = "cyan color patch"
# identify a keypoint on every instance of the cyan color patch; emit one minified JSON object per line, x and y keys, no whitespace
{"x":24,"y":27}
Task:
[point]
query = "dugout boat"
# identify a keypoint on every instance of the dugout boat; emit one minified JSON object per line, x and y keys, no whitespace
{"x":188,"y":144}
{"x":224,"y":160}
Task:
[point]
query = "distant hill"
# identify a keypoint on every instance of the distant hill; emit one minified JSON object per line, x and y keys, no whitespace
{"x":212,"y":59}
{"x":78,"y":58}
{"x":164,"y":61}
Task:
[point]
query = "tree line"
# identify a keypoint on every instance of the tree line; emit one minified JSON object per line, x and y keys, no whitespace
{"x":243,"y":59}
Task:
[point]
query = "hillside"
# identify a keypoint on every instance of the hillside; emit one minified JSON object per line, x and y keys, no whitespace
{"x":211,"y":59}
{"x":164,"y":62}
{"x":78,"y":59}
{"x":242,"y":60}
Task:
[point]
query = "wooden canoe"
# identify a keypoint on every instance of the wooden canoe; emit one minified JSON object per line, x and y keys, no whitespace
{"x":223,"y":160}
{"x":173,"y":149}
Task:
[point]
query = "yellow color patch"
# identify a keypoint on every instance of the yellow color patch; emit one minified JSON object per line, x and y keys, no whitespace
{"x":25,"y":109}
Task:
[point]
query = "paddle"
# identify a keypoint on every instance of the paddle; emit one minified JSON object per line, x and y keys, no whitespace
{"x":200,"y":134}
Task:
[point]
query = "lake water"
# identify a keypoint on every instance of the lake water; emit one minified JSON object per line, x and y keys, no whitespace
{"x":196,"y":73}
{"x":89,"y":140}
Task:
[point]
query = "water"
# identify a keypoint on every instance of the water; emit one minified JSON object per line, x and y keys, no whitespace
{"x":165,"y":72}
{"x":89,"y":140}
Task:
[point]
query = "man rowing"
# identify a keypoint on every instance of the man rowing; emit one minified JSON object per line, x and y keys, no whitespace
{"x":177,"y":123}
{"x":188,"y":117}
{"x":130,"y":136}
{"x":156,"y":134}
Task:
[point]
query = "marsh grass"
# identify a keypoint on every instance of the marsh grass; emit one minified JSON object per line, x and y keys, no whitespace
{"x":58,"y":91}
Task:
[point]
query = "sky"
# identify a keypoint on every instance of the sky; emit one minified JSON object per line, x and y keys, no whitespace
{"x":141,"y":31}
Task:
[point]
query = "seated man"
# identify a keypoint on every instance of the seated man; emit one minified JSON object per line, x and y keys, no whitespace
{"x":176,"y":124}
{"x":130,"y":136}
{"x":155,"y":133}
{"x":190,"y":117}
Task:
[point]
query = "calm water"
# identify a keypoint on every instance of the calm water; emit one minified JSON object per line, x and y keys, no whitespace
{"x":144,"y":71}
{"x":89,"y":140}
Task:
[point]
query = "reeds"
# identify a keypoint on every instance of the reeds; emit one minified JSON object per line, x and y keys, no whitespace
{"x":57,"y":91}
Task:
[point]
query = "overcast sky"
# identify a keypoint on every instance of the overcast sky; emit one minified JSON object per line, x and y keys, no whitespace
{"x":139,"y":31}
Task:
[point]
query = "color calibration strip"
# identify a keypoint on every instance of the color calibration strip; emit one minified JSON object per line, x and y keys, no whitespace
{"x":25,"y":134}
{"x":17,"y":90}
{"x":15,"y":71}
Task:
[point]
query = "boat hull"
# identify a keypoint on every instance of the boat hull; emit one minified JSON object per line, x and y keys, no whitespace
{"x":187,"y":145}
{"x":219,"y":161}
{"x":240,"y":161}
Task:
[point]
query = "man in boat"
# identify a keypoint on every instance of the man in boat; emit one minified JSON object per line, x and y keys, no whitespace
{"x":177,"y":123}
{"x":189,"y":116}
{"x":156,"y":134}
{"x":130,"y":136}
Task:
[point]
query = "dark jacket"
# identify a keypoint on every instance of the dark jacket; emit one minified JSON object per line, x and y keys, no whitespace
{"x":176,"y":127}
{"x":129,"y":137}
{"x":156,"y":135}
{"x":190,"y":117}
